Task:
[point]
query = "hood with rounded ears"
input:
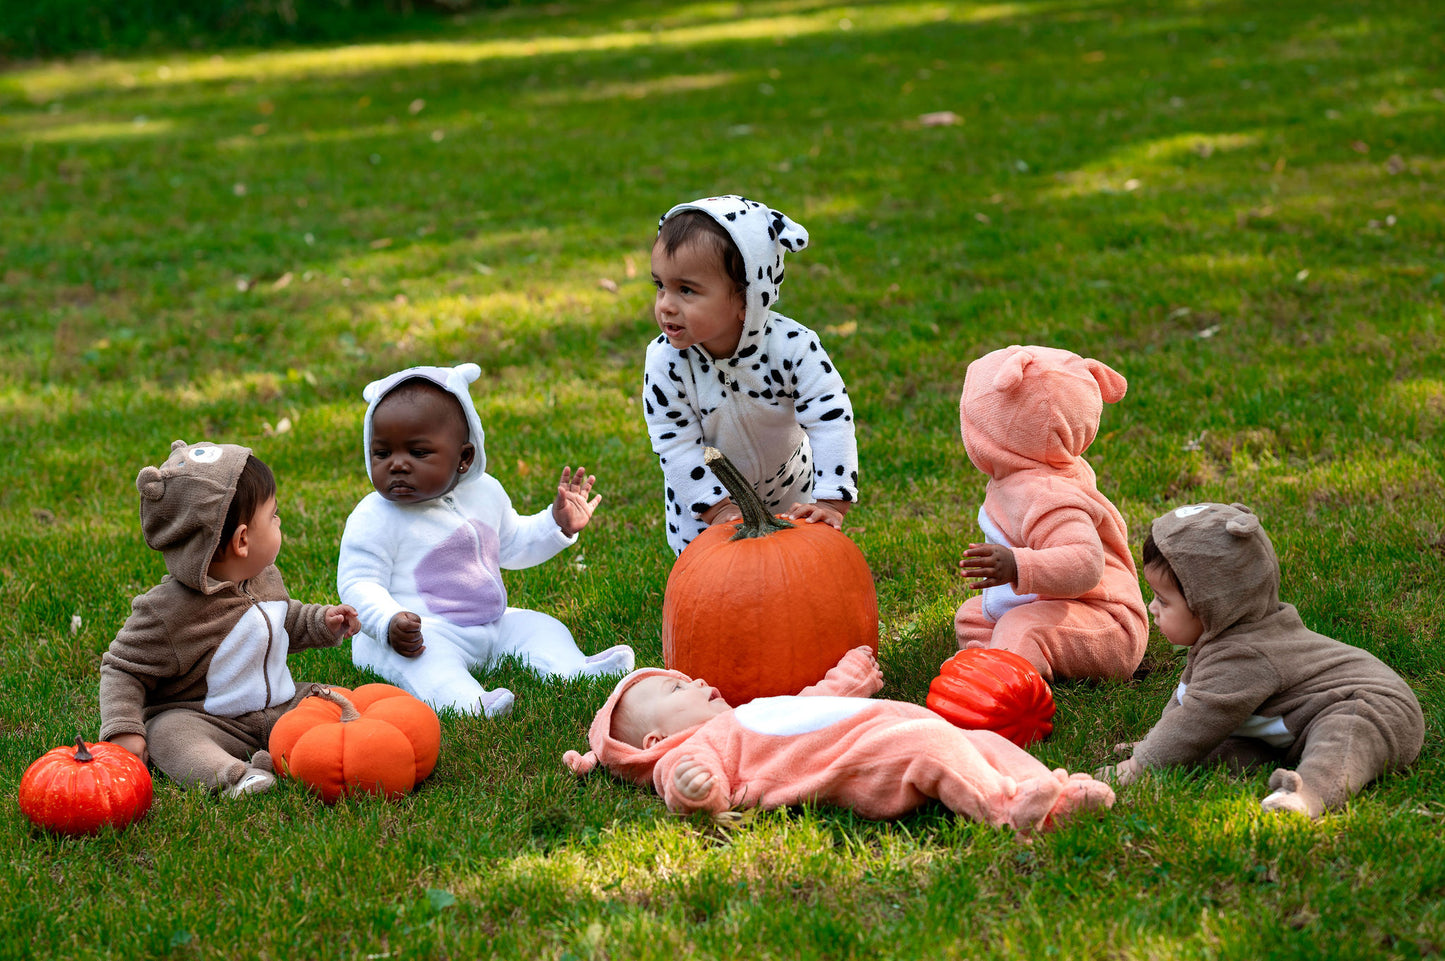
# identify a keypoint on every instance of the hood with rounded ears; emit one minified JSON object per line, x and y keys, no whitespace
{"x":453,"y":380}
{"x":183,"y":506}
{"x":762,"y":235}
{"x":1224,"y":562}
{"x":1024,"y":408}
{"x":630,"y":763}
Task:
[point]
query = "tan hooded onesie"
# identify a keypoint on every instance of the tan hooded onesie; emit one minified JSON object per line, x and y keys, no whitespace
{"x":1258,"y":684}
{"x":199,"y":667}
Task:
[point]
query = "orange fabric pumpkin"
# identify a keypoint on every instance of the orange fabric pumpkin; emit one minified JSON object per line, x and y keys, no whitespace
{"x":982,"y":689}
{"x":80,"y":788}
{"x":764,"y":607}
{"x":377,"y":739}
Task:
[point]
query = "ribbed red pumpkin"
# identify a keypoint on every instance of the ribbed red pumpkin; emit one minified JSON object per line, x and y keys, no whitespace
{"x":992,"y":690}
{"x":765,"y":607}
{"x":80,"y":788}
{"x":377,"y":739}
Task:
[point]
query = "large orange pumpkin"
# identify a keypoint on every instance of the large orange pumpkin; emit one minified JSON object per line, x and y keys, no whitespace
{"x":377,"y":739}
{"x":80,"y":788}
{"x":982,"y":689}
{"x":763,"y":607}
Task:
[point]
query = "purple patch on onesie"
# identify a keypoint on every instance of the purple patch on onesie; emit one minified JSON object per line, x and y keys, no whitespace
{"x":460,"y":579}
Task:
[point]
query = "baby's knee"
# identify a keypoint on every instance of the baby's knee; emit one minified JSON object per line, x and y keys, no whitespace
{"x":970,"y":626}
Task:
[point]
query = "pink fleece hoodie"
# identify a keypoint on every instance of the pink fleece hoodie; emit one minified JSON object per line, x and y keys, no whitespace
{"x":833,"y":744}
{"x":1027,"y":415}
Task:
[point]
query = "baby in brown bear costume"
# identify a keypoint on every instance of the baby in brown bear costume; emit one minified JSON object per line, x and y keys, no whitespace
{"x":1258,"y":686}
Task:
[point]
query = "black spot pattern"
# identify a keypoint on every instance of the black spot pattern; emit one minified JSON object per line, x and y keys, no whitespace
{"x":792,"y":397}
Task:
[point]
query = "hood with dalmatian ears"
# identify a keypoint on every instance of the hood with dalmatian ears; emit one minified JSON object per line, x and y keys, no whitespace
{"x":183,"y":506}
{"x":453,"y":380}
{"x":1224,"y":562}
{"x":763,"y":236}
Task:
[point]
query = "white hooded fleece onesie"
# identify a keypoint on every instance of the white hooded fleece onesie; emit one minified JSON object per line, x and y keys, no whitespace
{"x":442,"y":560}
{"x":777,"y":407}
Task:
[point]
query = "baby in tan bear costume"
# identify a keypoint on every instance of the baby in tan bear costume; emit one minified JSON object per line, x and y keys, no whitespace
{"x":1258,"y":686}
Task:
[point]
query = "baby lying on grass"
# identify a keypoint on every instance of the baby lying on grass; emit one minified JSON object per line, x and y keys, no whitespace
{"x":830,"y":744}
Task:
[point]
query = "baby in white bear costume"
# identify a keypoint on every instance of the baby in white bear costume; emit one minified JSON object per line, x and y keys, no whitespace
{"x":421,"y":556}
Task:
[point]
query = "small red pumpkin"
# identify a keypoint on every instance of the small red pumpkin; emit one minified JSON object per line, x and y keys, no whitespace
{"x":377,"y":739}
{"x":764,"y":606}
{"x":80,"y":788}
{"x":994,"y":690}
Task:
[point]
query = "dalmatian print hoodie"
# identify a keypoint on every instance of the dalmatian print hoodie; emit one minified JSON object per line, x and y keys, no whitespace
{"x":777,"y":407}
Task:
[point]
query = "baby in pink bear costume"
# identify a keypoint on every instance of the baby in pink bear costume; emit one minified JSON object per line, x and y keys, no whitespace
{"x":1058,"y":581}
{"x":830,"y":744}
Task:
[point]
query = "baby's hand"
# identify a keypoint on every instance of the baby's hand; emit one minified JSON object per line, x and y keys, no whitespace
{"x":826,"y":511}
{"x":1125,"y":772}
{"x":988,"y":565}
{"x":134,"y":743}
{"x":572,"y":509}
{"x":341,"y":621}
{"x":404,"y":634}
{"x":691,"y":779}
{"x":723,"y":512}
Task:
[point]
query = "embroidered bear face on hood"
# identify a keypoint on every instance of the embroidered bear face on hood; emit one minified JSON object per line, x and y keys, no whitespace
{"x":1224,"y":562}
{"x":183,"y":506}
{"x":1025,"y":408}
{"x":453,"y":380}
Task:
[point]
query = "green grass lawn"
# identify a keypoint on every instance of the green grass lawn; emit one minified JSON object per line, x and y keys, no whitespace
{"x":1236,"y":205}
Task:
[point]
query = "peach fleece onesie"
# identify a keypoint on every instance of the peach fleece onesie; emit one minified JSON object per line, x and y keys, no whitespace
{"x":1027,"y":415}
{"x":833,"y":744}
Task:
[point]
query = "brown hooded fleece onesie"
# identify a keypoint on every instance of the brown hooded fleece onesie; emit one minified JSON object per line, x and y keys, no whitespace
{"x":199,"y":667}
{"x":1258,"y":685}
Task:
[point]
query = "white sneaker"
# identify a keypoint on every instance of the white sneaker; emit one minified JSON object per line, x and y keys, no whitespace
{"x":254,"y":781}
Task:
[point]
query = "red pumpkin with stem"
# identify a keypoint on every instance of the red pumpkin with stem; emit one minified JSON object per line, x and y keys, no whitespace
{"x":82,"y":788}
{"x":764,"y":606}
{"x":377,"y":739}
{"x":984,"y":689}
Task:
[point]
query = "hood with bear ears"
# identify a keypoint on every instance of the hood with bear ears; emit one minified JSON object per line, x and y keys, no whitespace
{"x":762,"y":236}
{"x":183,"y":506}
{"x":453,"y":380}
{"x":1024,"y":408}
{"x":1224,"y":562}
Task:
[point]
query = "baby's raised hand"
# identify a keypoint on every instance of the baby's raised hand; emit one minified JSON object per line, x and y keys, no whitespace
{"x":404,"y":634}
{"x":988,"y":565}
{"x":341,"y":621}
{"x":691,"y":779}
{"x":572,"y":509}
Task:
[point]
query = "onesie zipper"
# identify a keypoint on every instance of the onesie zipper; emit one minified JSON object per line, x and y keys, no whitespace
{"x":270,"y":639}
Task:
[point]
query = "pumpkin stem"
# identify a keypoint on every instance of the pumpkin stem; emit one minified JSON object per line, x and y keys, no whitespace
{"x":348,"y":710}
{"x":82,"y":753}
{"x":757,"y":521}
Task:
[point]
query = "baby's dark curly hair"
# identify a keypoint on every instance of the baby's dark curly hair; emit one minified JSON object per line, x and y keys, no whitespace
{"x":254,"y":487}
{"x":696,"y":227}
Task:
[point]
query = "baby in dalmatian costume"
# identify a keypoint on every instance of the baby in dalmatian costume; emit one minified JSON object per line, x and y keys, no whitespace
{"x":830,"y":744}
{"x":1058,"y":581}
{"x":729,"y":372}
{"x":422,"y":554}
